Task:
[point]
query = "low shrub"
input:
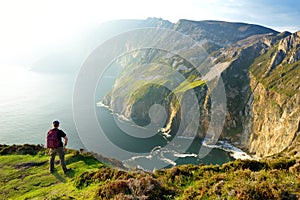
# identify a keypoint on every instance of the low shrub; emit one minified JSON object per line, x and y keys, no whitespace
{"x":134,"y":188}
{"x":21,"y":149}
{"x":111,"y":189}
{"x":252,"y":165}
{"x":281,"y":163}
{"x":101,"y":175}
{"x":83,"y":180}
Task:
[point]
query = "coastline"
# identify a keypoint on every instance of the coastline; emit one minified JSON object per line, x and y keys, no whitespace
{"x":234,"y":152}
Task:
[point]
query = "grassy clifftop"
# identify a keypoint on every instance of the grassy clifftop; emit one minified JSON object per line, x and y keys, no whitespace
{"x":24,"y":175}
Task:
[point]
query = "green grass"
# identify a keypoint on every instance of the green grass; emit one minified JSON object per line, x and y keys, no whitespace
{"x":27,"y":176}
{"x":273,"y":178}
{"x":187,"y":85}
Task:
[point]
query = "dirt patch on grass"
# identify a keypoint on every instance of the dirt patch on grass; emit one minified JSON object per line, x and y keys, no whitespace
{"x":29,"y":164}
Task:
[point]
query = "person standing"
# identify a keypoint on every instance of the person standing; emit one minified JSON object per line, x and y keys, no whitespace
{"x":56,"y":146}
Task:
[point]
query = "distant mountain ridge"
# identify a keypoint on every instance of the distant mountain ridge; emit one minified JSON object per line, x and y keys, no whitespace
{"x":220,"y":32}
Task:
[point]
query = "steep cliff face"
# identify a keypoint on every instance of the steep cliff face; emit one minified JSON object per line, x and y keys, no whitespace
{"x":237,"y":77}
{"x":259,"y":68}
{"x":273,"y":110}
{"x":275,"y":120}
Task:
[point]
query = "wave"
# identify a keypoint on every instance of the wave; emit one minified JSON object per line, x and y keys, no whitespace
{"x":234,"y":151}
{"x":101,"y":104}
{"x":163,"y":157}
{"x":165,"y":132}
{"x":119,"y":116}
{"x":184,"y":155}
{"x":122,"y":117}
{"x":166,"y":157}
{"x":169,"y":161}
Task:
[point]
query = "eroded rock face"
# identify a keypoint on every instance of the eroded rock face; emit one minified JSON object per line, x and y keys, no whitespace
{"x":276,"y":60}
{"x":290,"y":42}
{"x":272,"y":114}
{"x":274,"y":121}
{"x":294,"y":57}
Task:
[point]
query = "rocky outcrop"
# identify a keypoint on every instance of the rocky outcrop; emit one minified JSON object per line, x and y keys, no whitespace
{"x":294,"y":57}
{"x":290,"y":42}
{"x":276,"y":60}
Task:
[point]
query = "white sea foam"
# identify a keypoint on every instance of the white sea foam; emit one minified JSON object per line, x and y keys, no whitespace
{"x":166,"y":156}
{"x":168,"y":161}
{"x":166,"y":134}
{"x":153,"y":152}
{"x":101,"y":104}
{"x":155,"y":149}
{"x":234,"y":151}
{"x":169,"y":156}
{"x":119,"y":116}
{"x":122,"y":117}
{"x":184,"y":155}
{"x":141,"y":168}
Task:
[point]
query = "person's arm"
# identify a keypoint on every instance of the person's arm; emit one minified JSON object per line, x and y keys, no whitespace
{"x":66,"y":141}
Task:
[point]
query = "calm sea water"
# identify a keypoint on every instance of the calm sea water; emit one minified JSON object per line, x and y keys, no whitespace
{"x":30,"y":101}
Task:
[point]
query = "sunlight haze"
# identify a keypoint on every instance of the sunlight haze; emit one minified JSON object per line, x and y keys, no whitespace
{"x":33,"y":28}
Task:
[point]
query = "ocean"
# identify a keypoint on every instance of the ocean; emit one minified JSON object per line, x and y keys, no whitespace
{"x":30,"y":101}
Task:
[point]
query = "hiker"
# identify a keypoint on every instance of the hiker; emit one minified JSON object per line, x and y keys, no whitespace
{"x":56,"y":146}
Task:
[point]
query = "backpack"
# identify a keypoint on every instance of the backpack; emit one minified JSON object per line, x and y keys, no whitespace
{"x":52,"y":139}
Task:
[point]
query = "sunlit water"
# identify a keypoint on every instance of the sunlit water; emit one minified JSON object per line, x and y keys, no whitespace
{"x":30,"y":101}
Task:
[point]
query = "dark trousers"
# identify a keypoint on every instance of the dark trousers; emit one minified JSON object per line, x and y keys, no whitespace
{"x":61,"y":153}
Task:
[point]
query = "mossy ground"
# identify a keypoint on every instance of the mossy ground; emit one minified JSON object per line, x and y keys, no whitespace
{"x":26,"y":177}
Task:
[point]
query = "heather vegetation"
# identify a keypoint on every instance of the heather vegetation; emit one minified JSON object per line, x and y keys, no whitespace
{"x":24,"y":175}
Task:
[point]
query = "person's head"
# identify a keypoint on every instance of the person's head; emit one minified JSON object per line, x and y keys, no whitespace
{"x":55,"y":124}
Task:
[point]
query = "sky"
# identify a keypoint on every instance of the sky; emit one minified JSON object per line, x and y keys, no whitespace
{"x":28,"y":27}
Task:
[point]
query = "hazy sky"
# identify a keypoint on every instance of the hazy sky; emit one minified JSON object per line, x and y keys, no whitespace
{"x":31,"y":25}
